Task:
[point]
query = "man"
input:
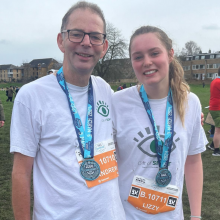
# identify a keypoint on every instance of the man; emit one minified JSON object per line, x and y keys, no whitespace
{"x":2,"y":115}
{"x":214,"y":108}
{"x":10,"y":94}
{"x":48,"y":131}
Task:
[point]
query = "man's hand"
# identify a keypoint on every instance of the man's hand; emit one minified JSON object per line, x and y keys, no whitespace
{"x":2,"y":123}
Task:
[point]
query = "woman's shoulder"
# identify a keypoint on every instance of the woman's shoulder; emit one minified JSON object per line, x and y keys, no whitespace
{"x":124,"y":93}
{"x":193,"y":103}
{"x":192,"y":97}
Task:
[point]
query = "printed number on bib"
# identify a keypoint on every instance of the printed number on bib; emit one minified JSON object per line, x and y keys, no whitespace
{"x":146,"y":196}
{"x":105,"y":156}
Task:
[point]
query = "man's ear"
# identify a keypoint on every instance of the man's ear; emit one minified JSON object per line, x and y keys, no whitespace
{"x":105,"y":48}
{"x":60,"y":42}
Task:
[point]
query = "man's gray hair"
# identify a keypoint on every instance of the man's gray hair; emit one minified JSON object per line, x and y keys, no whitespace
{"x":83,"y":5}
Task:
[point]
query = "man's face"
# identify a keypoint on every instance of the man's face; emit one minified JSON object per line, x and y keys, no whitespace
{"x":81,"y":58}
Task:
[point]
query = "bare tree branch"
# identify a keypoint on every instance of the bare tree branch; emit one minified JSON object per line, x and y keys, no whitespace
{"x":116,"y":50}
{"x":191,"y":48}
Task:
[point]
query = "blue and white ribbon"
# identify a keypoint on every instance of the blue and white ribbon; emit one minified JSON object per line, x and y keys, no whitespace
{"x":163,"y":149}
{"x":85,"y":137}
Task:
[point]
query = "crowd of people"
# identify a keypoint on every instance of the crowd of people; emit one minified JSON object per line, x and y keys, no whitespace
{"x":98,"y":155}
{"x":9,"y":94}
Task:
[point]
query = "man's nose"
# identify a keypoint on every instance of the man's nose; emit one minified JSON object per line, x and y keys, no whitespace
{"x":86,"y":41}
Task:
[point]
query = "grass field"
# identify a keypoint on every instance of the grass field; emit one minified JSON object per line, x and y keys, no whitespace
{"x":4,"y":85}
{"x":211,"y":190}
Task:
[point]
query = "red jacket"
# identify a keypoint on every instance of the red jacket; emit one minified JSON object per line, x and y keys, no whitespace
{"x":214,"y":103}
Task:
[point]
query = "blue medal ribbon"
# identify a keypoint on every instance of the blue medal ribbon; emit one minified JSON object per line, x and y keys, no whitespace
{"x":163,"y":149}
{"x":85,"y":137}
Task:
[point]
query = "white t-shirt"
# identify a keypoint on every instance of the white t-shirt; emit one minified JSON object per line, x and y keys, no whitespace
{"x":42,"y":128}
{"x":136,"y":151}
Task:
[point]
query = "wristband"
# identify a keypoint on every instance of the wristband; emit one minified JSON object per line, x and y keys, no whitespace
{"x":192,"y":216}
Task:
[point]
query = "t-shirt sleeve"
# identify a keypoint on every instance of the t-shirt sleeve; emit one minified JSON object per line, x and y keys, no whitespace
{"x":25,"y":130}
{"x":198,"y":138}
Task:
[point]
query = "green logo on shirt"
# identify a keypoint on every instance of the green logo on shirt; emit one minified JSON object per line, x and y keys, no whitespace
{"x":147,"y":143}
{"x":102,"y":108}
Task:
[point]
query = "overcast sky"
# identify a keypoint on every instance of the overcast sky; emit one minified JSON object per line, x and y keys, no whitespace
{"x":28,"y":28}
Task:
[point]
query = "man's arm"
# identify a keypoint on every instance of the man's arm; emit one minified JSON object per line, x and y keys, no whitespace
{"x":21,"y":182}
{"x":194,"y":183}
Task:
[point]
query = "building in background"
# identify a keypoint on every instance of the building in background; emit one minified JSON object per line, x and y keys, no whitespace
{"x":28,"y":71}
{"x":201,"y":66}
{"x":10,"y":73}
{"x":40,"y":67}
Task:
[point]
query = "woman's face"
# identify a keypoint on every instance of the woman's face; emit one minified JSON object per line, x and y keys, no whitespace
{"x":150,"y":60}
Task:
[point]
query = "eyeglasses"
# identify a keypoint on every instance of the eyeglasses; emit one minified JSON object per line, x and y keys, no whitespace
{"x":78,"y":36}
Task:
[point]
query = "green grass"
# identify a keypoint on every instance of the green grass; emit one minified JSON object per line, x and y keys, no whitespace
{"x":211,"y":190}
{"x":4,"y":85}
{"x":116,"y":85}
{"x":6,"y":160}
{"x":211,"y":168}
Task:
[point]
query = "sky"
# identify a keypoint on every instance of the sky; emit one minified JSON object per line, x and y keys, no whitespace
{"x":29,"y":28}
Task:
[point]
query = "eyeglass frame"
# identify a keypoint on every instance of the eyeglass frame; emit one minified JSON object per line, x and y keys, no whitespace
{"x":84,"y":33}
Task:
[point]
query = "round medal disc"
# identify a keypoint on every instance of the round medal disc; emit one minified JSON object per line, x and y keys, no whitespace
{"x":90,"y":169}
{"x":163,"y":177}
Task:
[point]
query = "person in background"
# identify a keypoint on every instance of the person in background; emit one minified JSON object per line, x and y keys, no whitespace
{"x":50,"y":72}
{"x":119,"y":88}
{"x":2,"y":115}
{"x":16,"y":90}
{"x":214,"y":109}
{"x":6,"y":93}
{"x":159,"y":135}
{"x":10,"y":94}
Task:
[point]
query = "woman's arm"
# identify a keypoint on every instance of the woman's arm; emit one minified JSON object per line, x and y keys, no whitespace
{"x":194,"y":183}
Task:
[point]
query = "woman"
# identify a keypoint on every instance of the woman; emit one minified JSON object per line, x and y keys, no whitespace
{"x":158,"y":134}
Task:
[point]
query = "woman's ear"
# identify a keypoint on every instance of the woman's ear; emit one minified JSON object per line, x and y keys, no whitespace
{"x":171,"y":55}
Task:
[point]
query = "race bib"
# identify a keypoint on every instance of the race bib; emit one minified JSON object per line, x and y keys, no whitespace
{"x":105,"y":156}
{"x":146,"y":196}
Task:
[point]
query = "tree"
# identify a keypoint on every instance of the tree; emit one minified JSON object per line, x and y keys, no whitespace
{"x":117,"y":49}
{"x":191,"y":48}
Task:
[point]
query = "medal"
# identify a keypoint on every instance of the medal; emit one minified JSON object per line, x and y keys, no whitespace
{"x":163,"y":150}
{"x":163,"y":177}
{"x":90,"y":169}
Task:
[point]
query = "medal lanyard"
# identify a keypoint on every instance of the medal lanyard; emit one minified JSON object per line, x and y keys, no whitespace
{"x":163,"y":149}
{"x":85,"y":137}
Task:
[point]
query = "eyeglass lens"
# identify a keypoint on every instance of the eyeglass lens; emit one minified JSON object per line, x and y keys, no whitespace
{"x":77,"y":36}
